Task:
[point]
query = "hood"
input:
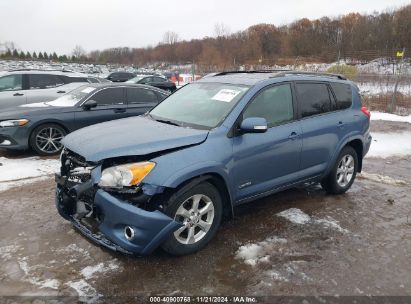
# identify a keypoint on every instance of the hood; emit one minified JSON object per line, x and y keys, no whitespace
{"x":27,"y":111}
{"x":130,"y":136}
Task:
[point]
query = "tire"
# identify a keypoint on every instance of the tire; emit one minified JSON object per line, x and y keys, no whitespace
{"x":204,"y":227}
{"x":39,"y":139}
{"x":343,"y":174}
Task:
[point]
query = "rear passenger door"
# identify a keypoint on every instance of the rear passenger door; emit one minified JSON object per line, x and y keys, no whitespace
{"x":141,"y":100}
{"x":111,"y":105}
{"x":321,"y":126}
{"x":44,"y":87}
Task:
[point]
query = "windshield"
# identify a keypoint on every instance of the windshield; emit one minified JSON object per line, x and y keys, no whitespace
{"x":72,"y":98}
{"x":203,"y":105}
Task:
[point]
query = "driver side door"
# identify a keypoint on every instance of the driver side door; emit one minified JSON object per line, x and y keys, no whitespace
{"x":269,"y":160}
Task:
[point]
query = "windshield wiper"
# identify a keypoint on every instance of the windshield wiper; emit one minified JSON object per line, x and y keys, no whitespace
{"x":168,"y":122}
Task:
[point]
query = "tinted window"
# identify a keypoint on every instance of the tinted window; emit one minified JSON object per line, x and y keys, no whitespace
{"x":141,"y":95}
{"x":343,"y":94}
{"x":11,"y":83}
{"x":159,"y":79}
{"x":44,"y":81}
{"x":92,"y":80}
{"x":76,"y":79}
{"x":145,"y":80}
{"x":110,"y":96}
{"x":314,"y":98}
{"x":275,"y":104}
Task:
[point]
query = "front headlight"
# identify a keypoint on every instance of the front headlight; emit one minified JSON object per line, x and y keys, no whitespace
{"x":13,"y":123}
{"x":125,"y":175}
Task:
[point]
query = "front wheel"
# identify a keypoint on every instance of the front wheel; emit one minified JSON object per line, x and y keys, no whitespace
{"x":199,"y":210}
{"x":343,"y":174}
{"x":46,"y":139}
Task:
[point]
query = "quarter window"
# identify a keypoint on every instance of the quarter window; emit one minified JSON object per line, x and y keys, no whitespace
{"x":275,"y":104}
{"x":343,"y":93}
{"x":141,"y":96}
{"x":11,"y":83}
{"x":314,"y":98}
{"x":111,"y":96}
{"x":44,"y":81}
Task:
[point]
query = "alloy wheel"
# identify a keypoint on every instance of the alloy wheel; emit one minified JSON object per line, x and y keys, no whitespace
{"x":49,"y":139}
{"x":345,"y":170}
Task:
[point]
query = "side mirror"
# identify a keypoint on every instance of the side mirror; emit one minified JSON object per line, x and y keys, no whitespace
{"x":89,"y":104}
{"x":254,"y":125}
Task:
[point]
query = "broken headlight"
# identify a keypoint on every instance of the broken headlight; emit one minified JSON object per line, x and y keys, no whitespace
{"x":126,"y":175}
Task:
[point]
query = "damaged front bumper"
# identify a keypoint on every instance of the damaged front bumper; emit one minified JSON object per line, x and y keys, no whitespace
{"x":110,"y":216}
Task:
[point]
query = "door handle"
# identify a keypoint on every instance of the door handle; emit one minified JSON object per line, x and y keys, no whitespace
{"x":340,"y":124}
{"x":61,"y":92}
{"x":18,"y":94}
{"x":119,"y":110}
{"x":293,"y":135}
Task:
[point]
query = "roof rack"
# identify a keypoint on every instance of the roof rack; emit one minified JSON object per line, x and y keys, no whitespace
{"x":249,"y":72}
{"x":284,"y":73}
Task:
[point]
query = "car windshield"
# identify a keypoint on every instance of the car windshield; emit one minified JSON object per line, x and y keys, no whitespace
{"x":199,"y":105}
{"x":72,"y":98}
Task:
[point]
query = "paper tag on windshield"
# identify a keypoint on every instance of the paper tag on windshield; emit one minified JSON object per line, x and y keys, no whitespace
{"x":226,"y":95}
{"x":88,"y":90}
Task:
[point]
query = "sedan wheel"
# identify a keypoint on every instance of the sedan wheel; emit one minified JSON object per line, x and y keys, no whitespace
{"x":46,"y":139}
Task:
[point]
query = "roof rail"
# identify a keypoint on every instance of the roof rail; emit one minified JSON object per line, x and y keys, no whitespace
{"x":285,"y":73}
{"x":41,"y":70}
{"x":249,"y":72}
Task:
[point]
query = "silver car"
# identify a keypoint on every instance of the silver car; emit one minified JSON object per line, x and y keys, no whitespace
{"x":20,"y":87}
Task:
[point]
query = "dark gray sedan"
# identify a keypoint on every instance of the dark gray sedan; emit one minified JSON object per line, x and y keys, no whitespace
{"x":41,"y":126}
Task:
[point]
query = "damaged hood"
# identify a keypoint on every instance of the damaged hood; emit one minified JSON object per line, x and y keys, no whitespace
{"x":130,"y":136}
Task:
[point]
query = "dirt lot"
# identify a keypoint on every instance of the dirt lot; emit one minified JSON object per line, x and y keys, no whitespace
{"x":358,"y":243}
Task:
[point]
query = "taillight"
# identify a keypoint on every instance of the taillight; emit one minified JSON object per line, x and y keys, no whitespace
{"x":366,"y":112}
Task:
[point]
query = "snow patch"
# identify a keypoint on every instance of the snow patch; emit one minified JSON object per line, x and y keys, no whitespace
{"x":83,"y":288}
{"x":390,"y":144}
{"x":390,"y":117}
{"x":252,"y":254}
{"x":17,"y":169}
{"x":295,"y":216}
{"x":18,"y":183}
{"x":382,"y":179}
{"x":47,"y":283}
{"x":89,"y":271}
{"x":7,"y":252}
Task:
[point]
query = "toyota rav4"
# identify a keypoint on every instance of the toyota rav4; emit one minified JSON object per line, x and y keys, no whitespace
{"x":168,"y":178}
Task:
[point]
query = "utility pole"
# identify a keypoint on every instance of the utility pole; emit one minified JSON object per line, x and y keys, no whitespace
{"x":394,"y":95}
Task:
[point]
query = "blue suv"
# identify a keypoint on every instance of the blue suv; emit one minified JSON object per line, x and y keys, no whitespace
{"x":167,"y":178}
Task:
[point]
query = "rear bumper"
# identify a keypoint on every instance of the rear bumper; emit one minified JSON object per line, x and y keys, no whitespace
{"x":151,"y":228}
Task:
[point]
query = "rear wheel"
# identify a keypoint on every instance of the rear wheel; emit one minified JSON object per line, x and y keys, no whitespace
{"x":199,"y":210}
{"x":343,"y":174}
{"x":46,"y":139}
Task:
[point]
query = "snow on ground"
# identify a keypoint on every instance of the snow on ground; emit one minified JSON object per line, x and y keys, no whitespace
{"x":390,"y":117}
{"x":390,"y":144}
{"x":18,"y":172}
{"x":382,"y":179}
{"x":299,"y":217}
{"x":252,"y":254}
{"x":90,"y":271}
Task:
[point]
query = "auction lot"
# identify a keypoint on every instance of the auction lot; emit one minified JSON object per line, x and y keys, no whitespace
{"x":298,"y":242}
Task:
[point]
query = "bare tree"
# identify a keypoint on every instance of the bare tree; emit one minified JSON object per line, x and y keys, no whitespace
{"x":170,"y":37}
{"x":78,"y":51}
{"x":221,"y":30}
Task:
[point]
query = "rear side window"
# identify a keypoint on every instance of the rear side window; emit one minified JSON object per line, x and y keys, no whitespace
{"x":44,"y":81}
{"x":138,"y":95}
{"x":343,"y":93}
{"x":11,"y":83}
{"x":110,"y":96}
{"x":314,"y":98}
{"x":275,"y":104}
{"x":159,"y":79}
{"x":76,"y":79}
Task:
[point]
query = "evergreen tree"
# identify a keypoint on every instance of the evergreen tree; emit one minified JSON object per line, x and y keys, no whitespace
{"x":54,"y":56}
{"x":22,"y":55}
{"x":28,"y":55}
{"x":45,"y":56}
{"x":15,"y":54}
{"x":34,"y":55}
{"x":8,"y":54}
{"x":41,"y":55}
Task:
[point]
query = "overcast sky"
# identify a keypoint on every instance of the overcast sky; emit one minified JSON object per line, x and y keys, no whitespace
{"x":59,"y":25}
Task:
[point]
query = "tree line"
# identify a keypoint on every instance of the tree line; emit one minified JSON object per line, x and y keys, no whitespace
{"x":354,"y":36}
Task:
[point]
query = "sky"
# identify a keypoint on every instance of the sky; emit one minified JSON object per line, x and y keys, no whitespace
{"x":60,"y":25}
